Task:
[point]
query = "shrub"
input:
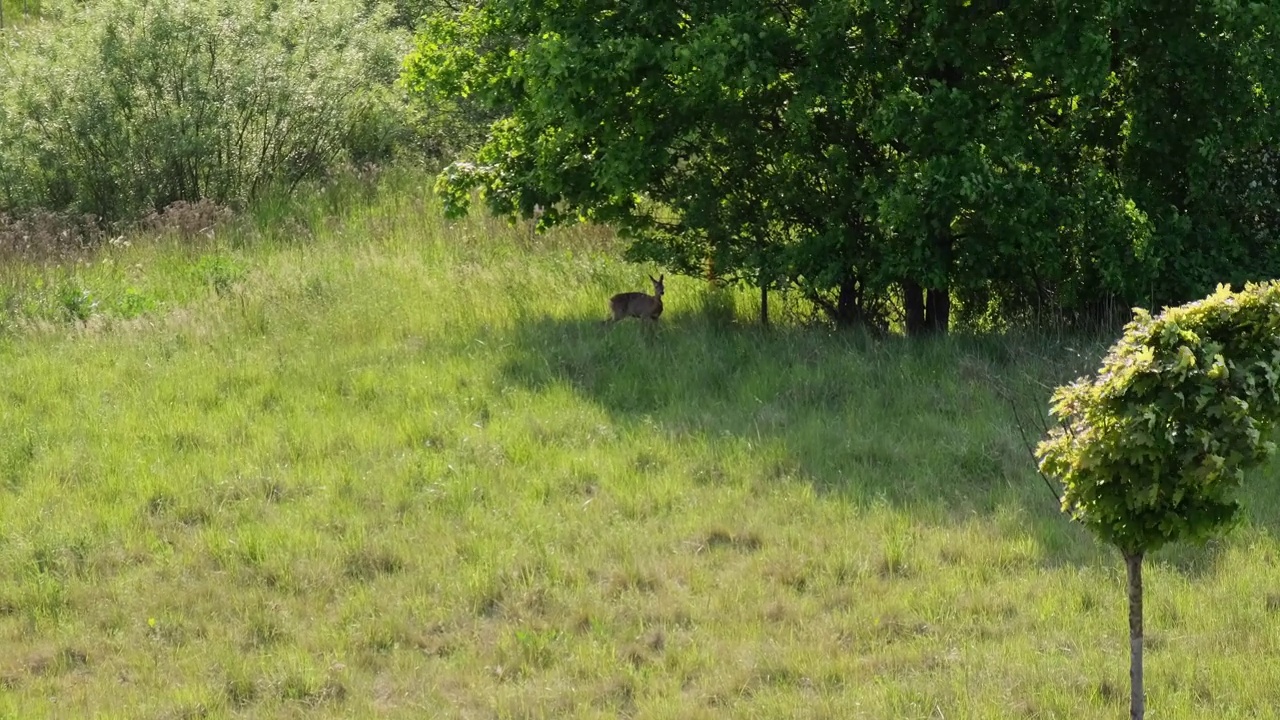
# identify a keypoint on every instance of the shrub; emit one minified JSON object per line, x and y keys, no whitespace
{"x":126,"y":107}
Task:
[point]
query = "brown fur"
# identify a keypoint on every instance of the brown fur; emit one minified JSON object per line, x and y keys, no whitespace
{"x":637,"y":304}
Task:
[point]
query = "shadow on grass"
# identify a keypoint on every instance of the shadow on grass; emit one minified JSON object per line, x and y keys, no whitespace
{"x":922,"y":425}
{"x":1260,"y":512}
{"x":931,"y":427}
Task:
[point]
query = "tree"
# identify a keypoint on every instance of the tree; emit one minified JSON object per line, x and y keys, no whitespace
{"x":981,"y":152}
{"x":993,"y":117}
{"x":737,"y":131}
{"x":1152,"y":449}
{"x":1199,"y":94}
{"x":691,"y":126}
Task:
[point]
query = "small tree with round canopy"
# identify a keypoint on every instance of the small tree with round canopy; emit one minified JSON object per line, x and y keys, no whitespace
{"x":1152,"y":449}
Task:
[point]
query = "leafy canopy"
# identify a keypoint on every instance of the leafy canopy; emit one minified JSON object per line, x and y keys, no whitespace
{"x":1152,"y":449}
{"x":1015,"y":156}
{"x":830,"y":145}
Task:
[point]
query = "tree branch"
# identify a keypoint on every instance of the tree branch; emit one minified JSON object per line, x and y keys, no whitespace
{"x":1005,"y":393}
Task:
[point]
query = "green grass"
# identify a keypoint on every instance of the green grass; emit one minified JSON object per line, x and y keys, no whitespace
{"x":362,"y":463}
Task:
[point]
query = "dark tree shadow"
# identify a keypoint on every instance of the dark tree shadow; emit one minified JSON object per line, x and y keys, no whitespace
{"x":920,"y":425}
{"x":930,"y":427}
{"x":1259,"y":512}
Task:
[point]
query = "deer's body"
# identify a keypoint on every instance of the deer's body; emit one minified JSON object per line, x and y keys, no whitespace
{"x":638,"y":304}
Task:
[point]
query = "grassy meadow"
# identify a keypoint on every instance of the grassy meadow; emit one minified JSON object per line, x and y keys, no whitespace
{"x":344,"y":459}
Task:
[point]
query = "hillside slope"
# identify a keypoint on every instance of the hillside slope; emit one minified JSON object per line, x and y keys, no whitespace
{"x":362,"y":463}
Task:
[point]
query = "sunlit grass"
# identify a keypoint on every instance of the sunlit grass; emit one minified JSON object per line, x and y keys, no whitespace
{"x":358,"y":462}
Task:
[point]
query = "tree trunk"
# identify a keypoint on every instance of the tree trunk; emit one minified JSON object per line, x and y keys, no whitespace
{"x":913,"y":303}
{"x":764,"y":305}
{"x":848,"y":304}
{"x":938,"y":311}
{"x":1137,"y":698}
{"x":927,"y":311}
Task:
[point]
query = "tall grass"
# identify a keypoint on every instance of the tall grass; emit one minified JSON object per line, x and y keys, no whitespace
{"x":343,"y":459}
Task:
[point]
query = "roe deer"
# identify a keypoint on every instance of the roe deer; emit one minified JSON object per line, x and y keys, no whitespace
{"x":637,"y":304}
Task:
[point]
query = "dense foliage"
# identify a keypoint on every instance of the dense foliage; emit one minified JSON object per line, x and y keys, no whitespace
{"x":122,"y":106}
{"x":1013,"y":156}
{"x":1153,"y":448}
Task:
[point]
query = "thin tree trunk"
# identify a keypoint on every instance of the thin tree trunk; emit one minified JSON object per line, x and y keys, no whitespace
{"x":913,"y":304}
{"x":939,"y":299}
{"x":938,"y":310}
{"x":764,"y":305}
{"x":848,"y":302}
{"x":1137,"y":698}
